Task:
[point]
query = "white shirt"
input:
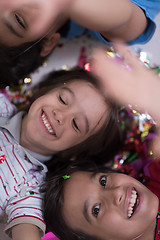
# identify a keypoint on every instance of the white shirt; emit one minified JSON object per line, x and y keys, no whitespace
{"x":21,"y":173}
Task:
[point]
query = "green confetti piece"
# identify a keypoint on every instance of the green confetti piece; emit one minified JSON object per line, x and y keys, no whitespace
{"x":132,"y":158}
{"x":66,"y":177}
{"x":123,"y":125}
{"x":31,"y":192}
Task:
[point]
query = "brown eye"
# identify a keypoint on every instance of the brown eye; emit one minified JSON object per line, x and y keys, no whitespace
{"x":103,"y":181}
{"x":96,"y":210}
{"x":19,"y":20}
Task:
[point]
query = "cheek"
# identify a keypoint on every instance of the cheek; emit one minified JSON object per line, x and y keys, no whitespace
{"x":70,"y":138}
{"x":122,"y":228}
{"x":112,"y":218}
{"x":46,"y":99}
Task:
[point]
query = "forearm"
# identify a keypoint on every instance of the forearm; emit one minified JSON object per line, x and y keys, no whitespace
{"x":96,"y":14}
{"x":112,"y":18}
{"x":25,"y":231}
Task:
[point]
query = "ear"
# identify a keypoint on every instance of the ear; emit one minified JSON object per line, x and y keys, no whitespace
{"x":48,"y":43}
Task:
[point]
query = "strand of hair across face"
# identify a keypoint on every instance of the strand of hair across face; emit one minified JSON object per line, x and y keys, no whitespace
{"x":36,"y":42}
{"x":138,"y":236}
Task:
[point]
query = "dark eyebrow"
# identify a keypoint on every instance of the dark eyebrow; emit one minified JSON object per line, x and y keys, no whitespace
{"x":86,"y":120}
{"x":86,"y":203}
{"x":10,"y":27}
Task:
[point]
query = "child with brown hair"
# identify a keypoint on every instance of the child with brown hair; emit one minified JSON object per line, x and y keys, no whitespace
{"x":67,"y":116}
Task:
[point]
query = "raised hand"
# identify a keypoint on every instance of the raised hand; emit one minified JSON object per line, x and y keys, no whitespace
{"x":128,"y":81}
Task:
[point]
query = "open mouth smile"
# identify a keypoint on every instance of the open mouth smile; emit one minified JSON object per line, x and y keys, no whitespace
{"x":133,"y":203}
{"x":47,"y":124}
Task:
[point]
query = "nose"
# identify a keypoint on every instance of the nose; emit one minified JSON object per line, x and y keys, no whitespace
{"x":59,"y":116}
{"x":48,"y":15}
{"x":114,"y":195}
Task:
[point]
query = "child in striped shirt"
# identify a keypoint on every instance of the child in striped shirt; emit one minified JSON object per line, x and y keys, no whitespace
{"x":68,"y":111}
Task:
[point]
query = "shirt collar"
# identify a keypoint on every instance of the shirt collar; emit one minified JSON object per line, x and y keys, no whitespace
{"x":13,"y":125}
{"x":14,"y":128}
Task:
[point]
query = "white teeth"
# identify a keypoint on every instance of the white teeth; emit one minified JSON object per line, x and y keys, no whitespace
{"x":46,"y":123}
{"x":132,"y":202}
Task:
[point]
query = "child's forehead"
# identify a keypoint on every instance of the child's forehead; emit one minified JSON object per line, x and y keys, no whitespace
{"x":76,"y":180}
{"x":76,"y":84}
{"x":81,"y":176}
{"x":80,"y":84}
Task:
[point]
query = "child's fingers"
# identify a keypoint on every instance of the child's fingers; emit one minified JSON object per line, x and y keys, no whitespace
{"x":108,"y":69}
{"x":121,"y":81}
{"x":128,"y":56}
{"x":104,"y":66}
{"x":114,"y":77}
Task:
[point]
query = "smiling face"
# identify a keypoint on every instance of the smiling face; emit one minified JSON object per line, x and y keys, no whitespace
{"x":110,"y":206}
{"x":28,"y":20}
{"x":63,"y":118}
